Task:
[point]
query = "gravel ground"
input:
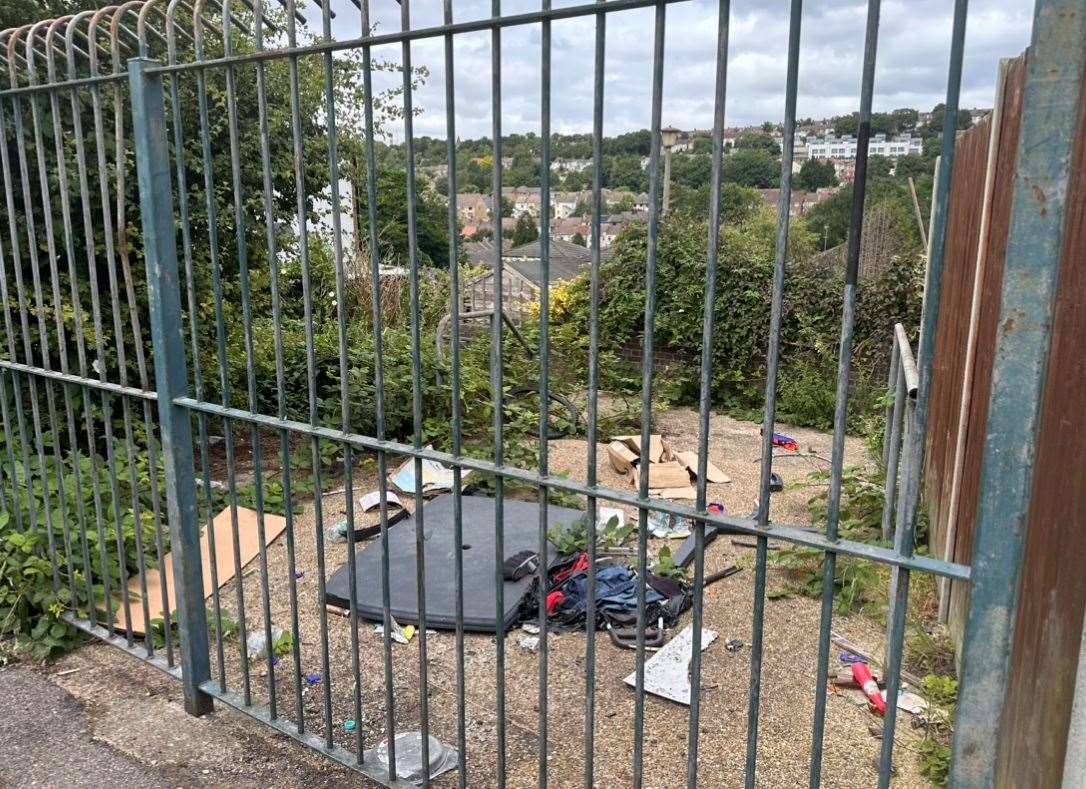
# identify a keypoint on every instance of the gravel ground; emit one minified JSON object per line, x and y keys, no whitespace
{"x":788,"y":674}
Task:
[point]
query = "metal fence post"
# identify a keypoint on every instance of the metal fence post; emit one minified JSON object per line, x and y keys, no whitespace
{"x":1035,"y":247}
{"x":171,"y":376}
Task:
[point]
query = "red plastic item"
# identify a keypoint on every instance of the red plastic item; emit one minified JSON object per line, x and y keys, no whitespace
{"x":785,"y":442}
{"x":553,"y":599}
{"x":862,"y":674}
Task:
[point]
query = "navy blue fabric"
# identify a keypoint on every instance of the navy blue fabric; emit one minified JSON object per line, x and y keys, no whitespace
{"x":616,"y":592}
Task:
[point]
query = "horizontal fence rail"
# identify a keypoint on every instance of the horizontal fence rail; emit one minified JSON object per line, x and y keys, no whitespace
{"x":174,"y":187}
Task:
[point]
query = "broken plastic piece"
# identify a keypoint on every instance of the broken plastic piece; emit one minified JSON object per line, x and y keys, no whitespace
{"x":409,"y":766}
{"x":256,"y":645}
{"x":349,"y":725}
{"x":667,"y":674}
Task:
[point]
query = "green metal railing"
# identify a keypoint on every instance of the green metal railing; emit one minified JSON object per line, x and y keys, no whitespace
{"x":60,"y":161}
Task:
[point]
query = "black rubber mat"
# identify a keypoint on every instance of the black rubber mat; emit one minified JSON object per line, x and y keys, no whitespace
{"x":521,"y":532}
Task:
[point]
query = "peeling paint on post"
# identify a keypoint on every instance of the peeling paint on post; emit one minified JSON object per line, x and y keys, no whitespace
{"x":1052,"y":95}
{"x":171,"y":375}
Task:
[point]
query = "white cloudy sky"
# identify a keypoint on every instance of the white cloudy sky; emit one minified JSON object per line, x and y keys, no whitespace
{"x":913,"y":53}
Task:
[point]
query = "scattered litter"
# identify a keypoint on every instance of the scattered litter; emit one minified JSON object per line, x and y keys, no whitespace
{"x":776,"y":483}
{"x":256,"y":645}
{"x":658,"y":450}
{"x":785,"y":442}
{"x":66,"y":673}
{"x":669,"y":526}
{"x":663,"y":475}
{"x":299,"y":575}
{"x":247,"y":535}
{"x":349,"y":725}
{"x":520,"y":564}
{"x":409,"y":766}
{"x":867,"y":683}
{"x":373,"y":499}
{"x":720,"y":576}
{"x":851,"y":657}
{"x":626,"y":637}
{"x":689,"y":460}
{"x":436,"y":478}
{"x":401,"y":635}
{"x":604,"y":515}
{"x":734,"y":644}
{"x":312,"y":678}
{"x":667,"y":673}
{"x":754,"y":544}
{"x":531,"y":643}
{"x":843,"y":678}
{"x":622,"y":457}
{"x":530,"y":628}
{"x":910,"y":702}
{"x":337,"y":532}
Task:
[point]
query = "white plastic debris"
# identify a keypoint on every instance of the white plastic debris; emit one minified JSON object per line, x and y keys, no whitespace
{"x":604,"y":515}
{"x":256,"y":645}
{"x":409,"y":766}
{"x":373,"y":499}
{"x":667,"y":673}
{"x":531,"y":643}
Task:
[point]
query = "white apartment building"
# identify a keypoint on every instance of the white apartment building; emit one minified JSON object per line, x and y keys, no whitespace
{"x":831,"y":147}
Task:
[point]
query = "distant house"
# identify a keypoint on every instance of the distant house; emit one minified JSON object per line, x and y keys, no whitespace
{"x":566,"y":229}
{"x":522,"y":274}
{"x":801,"y":202}
{"x":473,"y":208}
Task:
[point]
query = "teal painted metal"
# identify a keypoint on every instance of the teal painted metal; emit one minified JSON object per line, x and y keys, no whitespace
{"x":1035,"y":248}
{"x":164,"y":289}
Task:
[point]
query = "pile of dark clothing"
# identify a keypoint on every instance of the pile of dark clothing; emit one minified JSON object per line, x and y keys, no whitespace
{"x":616,"y":595}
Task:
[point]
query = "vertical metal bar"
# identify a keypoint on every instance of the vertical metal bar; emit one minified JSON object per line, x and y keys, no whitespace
{"x":496,"y":383}
{"x":69,"y":247}
{"x":242,"y":247}
{"x":416,"y":380}
{"x":100,"y":338}
{"x":28,"y":219}
{"x":591,"y":461}
{"x":43,"y":334}
{"x":10,"y":332}
{"x":705,"y":401}
{"x":84,"y":369}
{"x":213,"y":244}
{"x":544,"y":382}
{"x":220,"y":336}
{"x":379,"y":389}
{"x":341,"y":315}
{"x":840,"y":417}
{"x":284,"y":441}
{"x":1035,"y":251}
{"x":773,"y":356}
{"x":893,"y":444}
{"x":280,"y":372}
{"x":646,"y":386}
{"x":454,"y":374}
{"x":160,"y":253}
{"x":141,"y":362}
